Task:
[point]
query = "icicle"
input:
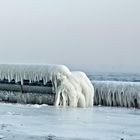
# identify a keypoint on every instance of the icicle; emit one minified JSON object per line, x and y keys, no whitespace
{"x":124,"y":94}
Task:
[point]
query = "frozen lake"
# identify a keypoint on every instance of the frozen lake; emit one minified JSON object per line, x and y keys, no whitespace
{"x":35,"y":122}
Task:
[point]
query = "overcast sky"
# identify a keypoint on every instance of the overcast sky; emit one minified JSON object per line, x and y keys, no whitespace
{"x":88,"y":34}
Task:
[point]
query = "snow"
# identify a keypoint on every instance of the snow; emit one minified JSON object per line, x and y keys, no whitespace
{"x":72,"y":89}
{"x":40,"y":122}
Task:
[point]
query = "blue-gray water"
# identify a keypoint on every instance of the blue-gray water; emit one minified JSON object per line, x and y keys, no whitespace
{"x":128,"y":77}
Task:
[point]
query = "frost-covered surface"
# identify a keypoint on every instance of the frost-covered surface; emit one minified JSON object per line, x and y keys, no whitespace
{"x":35,"y":122}
{"x":72,"y":88}
{"x":113,"y":93}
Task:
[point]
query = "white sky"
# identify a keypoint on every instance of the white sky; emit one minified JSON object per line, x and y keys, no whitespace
{"x":88,"y":34}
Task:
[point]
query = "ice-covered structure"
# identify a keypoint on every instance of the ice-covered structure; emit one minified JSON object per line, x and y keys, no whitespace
{"x":57,"y":85}
{"x":70,"y":88}
{"x":115,"y":93}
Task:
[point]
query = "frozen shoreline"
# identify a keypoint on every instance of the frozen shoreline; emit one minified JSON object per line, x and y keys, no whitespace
{"x":46,"y":122}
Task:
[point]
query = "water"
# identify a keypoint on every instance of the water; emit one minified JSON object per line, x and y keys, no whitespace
{"x":128,"y":77}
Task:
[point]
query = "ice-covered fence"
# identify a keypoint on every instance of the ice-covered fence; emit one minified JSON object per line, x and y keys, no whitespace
{"x":26,"y":98}
{"x":107,"y":93}
{"x":15,"y":93}
{"x":71,"y":88}
{"x":25,"y":88}
{"x":114,"y":93}
{"x":29,"y":83}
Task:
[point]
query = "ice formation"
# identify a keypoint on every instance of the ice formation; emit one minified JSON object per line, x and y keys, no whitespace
{"x":114,"y":93}
{"x":71,"y":88}
{"x":75,"y":90}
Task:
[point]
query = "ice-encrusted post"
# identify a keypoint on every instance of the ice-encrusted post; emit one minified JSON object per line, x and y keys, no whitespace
{"x":21,"y":88}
